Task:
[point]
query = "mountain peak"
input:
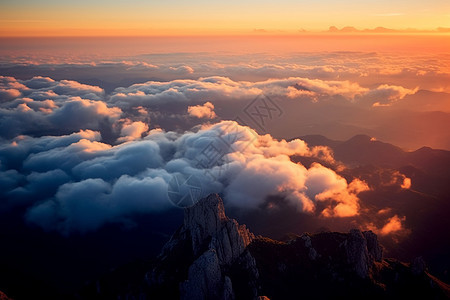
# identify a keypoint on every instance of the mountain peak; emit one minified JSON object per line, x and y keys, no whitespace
{"x":213,"y":257}
{"x":206,"y":222}
{"x":359,"y":138}
{"x":205,"y":217}
{"x":209,"y":242}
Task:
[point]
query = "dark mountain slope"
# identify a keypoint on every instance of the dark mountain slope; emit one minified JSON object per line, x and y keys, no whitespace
{"x":213,"y":257}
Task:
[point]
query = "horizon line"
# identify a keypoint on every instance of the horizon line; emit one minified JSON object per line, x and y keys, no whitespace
{"x":254,"y":34}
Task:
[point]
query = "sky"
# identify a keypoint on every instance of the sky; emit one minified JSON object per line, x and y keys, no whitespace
{"x":179,"y":17}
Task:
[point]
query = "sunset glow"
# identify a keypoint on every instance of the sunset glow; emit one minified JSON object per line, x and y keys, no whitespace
{"x":177,"y":17}
{"x":241,"y":149}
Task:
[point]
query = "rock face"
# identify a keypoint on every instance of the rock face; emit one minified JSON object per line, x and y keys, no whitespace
{"x":204,"y":220}
{"x":205,"y":279}
{"x":418,"y":266}
{"x":207,"y":223}
{"x":373,"y":247}
{"x":213,"y":257}
{"x":362,"y":250}
{"x":210,"y":243}
{"x":225,"y":240}
{"x":357,"y":252}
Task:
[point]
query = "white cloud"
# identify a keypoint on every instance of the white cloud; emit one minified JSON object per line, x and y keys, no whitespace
{"x":205,"y":111}
{"x":111,"y":183}
{"x":385,"y":94}
{"x":42,"y":105}
{"x":132,"y":131}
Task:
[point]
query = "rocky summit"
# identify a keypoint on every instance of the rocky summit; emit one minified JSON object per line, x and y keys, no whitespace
{"x":199,"y":255}
{"x":213,"y":257}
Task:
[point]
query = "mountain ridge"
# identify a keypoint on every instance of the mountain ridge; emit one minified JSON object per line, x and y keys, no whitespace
{"x":363,"y":150}
{"x":213,"y":257}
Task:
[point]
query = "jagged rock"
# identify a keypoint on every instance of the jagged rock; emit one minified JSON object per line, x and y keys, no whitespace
{"x":213,"y":257}
{"x":230,"y":241}
{"x":357,"y":253}
{"x":206,"y":221}
{"x":215,"y":242}
{"x":173,"y":261}
{"x":307,"y":239}
{"x":312,"y":254}
{"x":374,"y":248}
{"x":228,"y":292}
{"x":179,"y":235}
{"x":245,"y":269}
{"x":362,"y":250}
{"x":205,"y":280}
{"x":418,"y":266}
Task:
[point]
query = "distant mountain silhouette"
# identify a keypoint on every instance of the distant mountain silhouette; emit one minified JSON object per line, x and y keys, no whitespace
{"x":383,"y":166}
{"x":363,"y":150}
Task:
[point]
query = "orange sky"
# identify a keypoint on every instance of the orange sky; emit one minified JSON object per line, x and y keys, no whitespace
{"x":108,"y":47}
{"x":200,"y":17}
